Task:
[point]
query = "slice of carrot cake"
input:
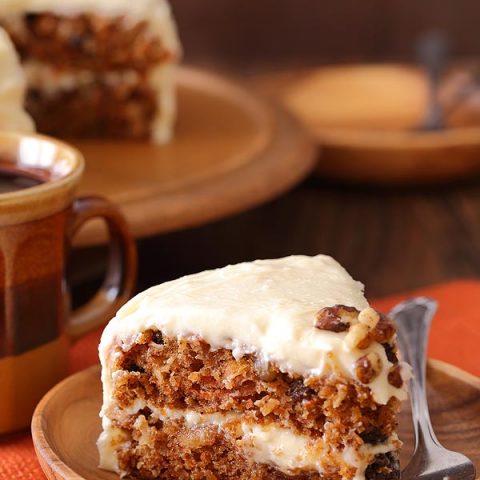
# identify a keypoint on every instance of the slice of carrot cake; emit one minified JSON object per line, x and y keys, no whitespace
{"x":97,"y":68}
{"x":275,"y":369}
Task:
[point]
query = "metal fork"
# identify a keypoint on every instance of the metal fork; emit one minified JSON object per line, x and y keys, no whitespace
{"x":430,"y":461}
{"x":432,"y":52}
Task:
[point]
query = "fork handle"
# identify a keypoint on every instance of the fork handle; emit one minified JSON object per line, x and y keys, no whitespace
{"x":413,"y":319}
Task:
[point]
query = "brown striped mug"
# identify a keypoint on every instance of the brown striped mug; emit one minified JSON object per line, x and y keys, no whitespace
{"x":39,"y":216}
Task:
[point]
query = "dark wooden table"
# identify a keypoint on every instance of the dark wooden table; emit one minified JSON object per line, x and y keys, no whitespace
{"x":392,"y":240}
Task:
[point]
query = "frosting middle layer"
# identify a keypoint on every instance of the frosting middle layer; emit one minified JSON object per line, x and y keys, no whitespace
{"x":267,"y":444}
{"x":161,"y":78}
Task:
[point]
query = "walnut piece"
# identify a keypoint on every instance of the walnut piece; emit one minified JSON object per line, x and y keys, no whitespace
{"x":368,"y":367}
{"x":384,"y":330}
{"x":369,"y":317}
{"x":335,"y":319}
{"x":357,"y":337}
{"x":395,"y":376}
{"x":372,"y":326}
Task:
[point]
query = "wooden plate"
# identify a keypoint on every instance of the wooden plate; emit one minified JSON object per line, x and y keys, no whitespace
{"x":231,"y":151}
{"x":66,"y":425}
{"x":366,"y":118}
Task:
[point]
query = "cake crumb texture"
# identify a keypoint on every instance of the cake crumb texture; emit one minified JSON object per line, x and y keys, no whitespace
{"x":187,"y":375}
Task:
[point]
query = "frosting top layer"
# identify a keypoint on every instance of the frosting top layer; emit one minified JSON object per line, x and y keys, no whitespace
{"x":267,"y":307}
{"x":135,"y":8}
{"x":12,"y":89}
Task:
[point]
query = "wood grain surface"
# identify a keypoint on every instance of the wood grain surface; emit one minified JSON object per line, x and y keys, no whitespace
{"x":394,"y":240}
{"x":252,"y":35}
{"x":66,"y":425}
{"x":231,"y":151}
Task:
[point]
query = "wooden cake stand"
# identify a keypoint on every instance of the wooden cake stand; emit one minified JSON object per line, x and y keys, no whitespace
{"x":231,"y":151}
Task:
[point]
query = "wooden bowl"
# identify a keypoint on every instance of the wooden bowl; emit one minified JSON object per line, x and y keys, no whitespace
{"x":367,"y":118}
{"x":66,"y":425}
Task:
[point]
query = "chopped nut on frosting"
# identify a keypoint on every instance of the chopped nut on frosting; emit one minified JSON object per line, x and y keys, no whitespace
{"x":357,"y":337}
{"x":370,"y":326}
{"x":384,"y":330}
{"x":368,"y":367}
{"x":369,"y":317}
{"x":336,"y":319}
{"x":395,"y":376}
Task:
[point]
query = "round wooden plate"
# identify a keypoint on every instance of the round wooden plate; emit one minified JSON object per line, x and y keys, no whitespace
{"x":366,"y":119}
{"x":65,"y":425}
{"x":231,"y":151}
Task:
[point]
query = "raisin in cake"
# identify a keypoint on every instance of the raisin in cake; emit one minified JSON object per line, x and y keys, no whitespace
{"x":12,"y":89}
{"x":97,"y":68}
{"x":275,"y":369}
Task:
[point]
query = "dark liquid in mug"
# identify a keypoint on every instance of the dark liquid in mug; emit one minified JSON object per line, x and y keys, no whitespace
{"x":12,"y":181}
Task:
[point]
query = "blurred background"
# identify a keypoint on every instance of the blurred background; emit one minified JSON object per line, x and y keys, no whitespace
{"x":394,"y":238}
{"x":250,"y":36}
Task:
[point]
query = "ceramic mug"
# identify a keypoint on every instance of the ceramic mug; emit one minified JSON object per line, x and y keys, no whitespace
{"x":39,"y":216}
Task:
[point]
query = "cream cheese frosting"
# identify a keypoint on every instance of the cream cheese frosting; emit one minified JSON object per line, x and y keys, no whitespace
{"x":12,"y":89}
{"x":266,"y":307}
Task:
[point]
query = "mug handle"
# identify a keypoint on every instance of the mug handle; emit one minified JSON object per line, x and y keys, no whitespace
{"x":121,"y":274}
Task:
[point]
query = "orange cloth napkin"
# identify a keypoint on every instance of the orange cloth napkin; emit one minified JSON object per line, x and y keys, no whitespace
{"x":455,"y":338}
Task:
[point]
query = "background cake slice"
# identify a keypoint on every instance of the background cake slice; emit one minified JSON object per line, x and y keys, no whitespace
{"x":12,"y":89}
{"x":276,"y":369}
{"x":97,"y":68}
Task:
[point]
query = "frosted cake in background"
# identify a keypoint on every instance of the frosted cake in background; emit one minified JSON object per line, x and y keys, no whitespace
{"x":275,"y":369}
{"x":12,"y":89}
{"x":97,"y":68}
